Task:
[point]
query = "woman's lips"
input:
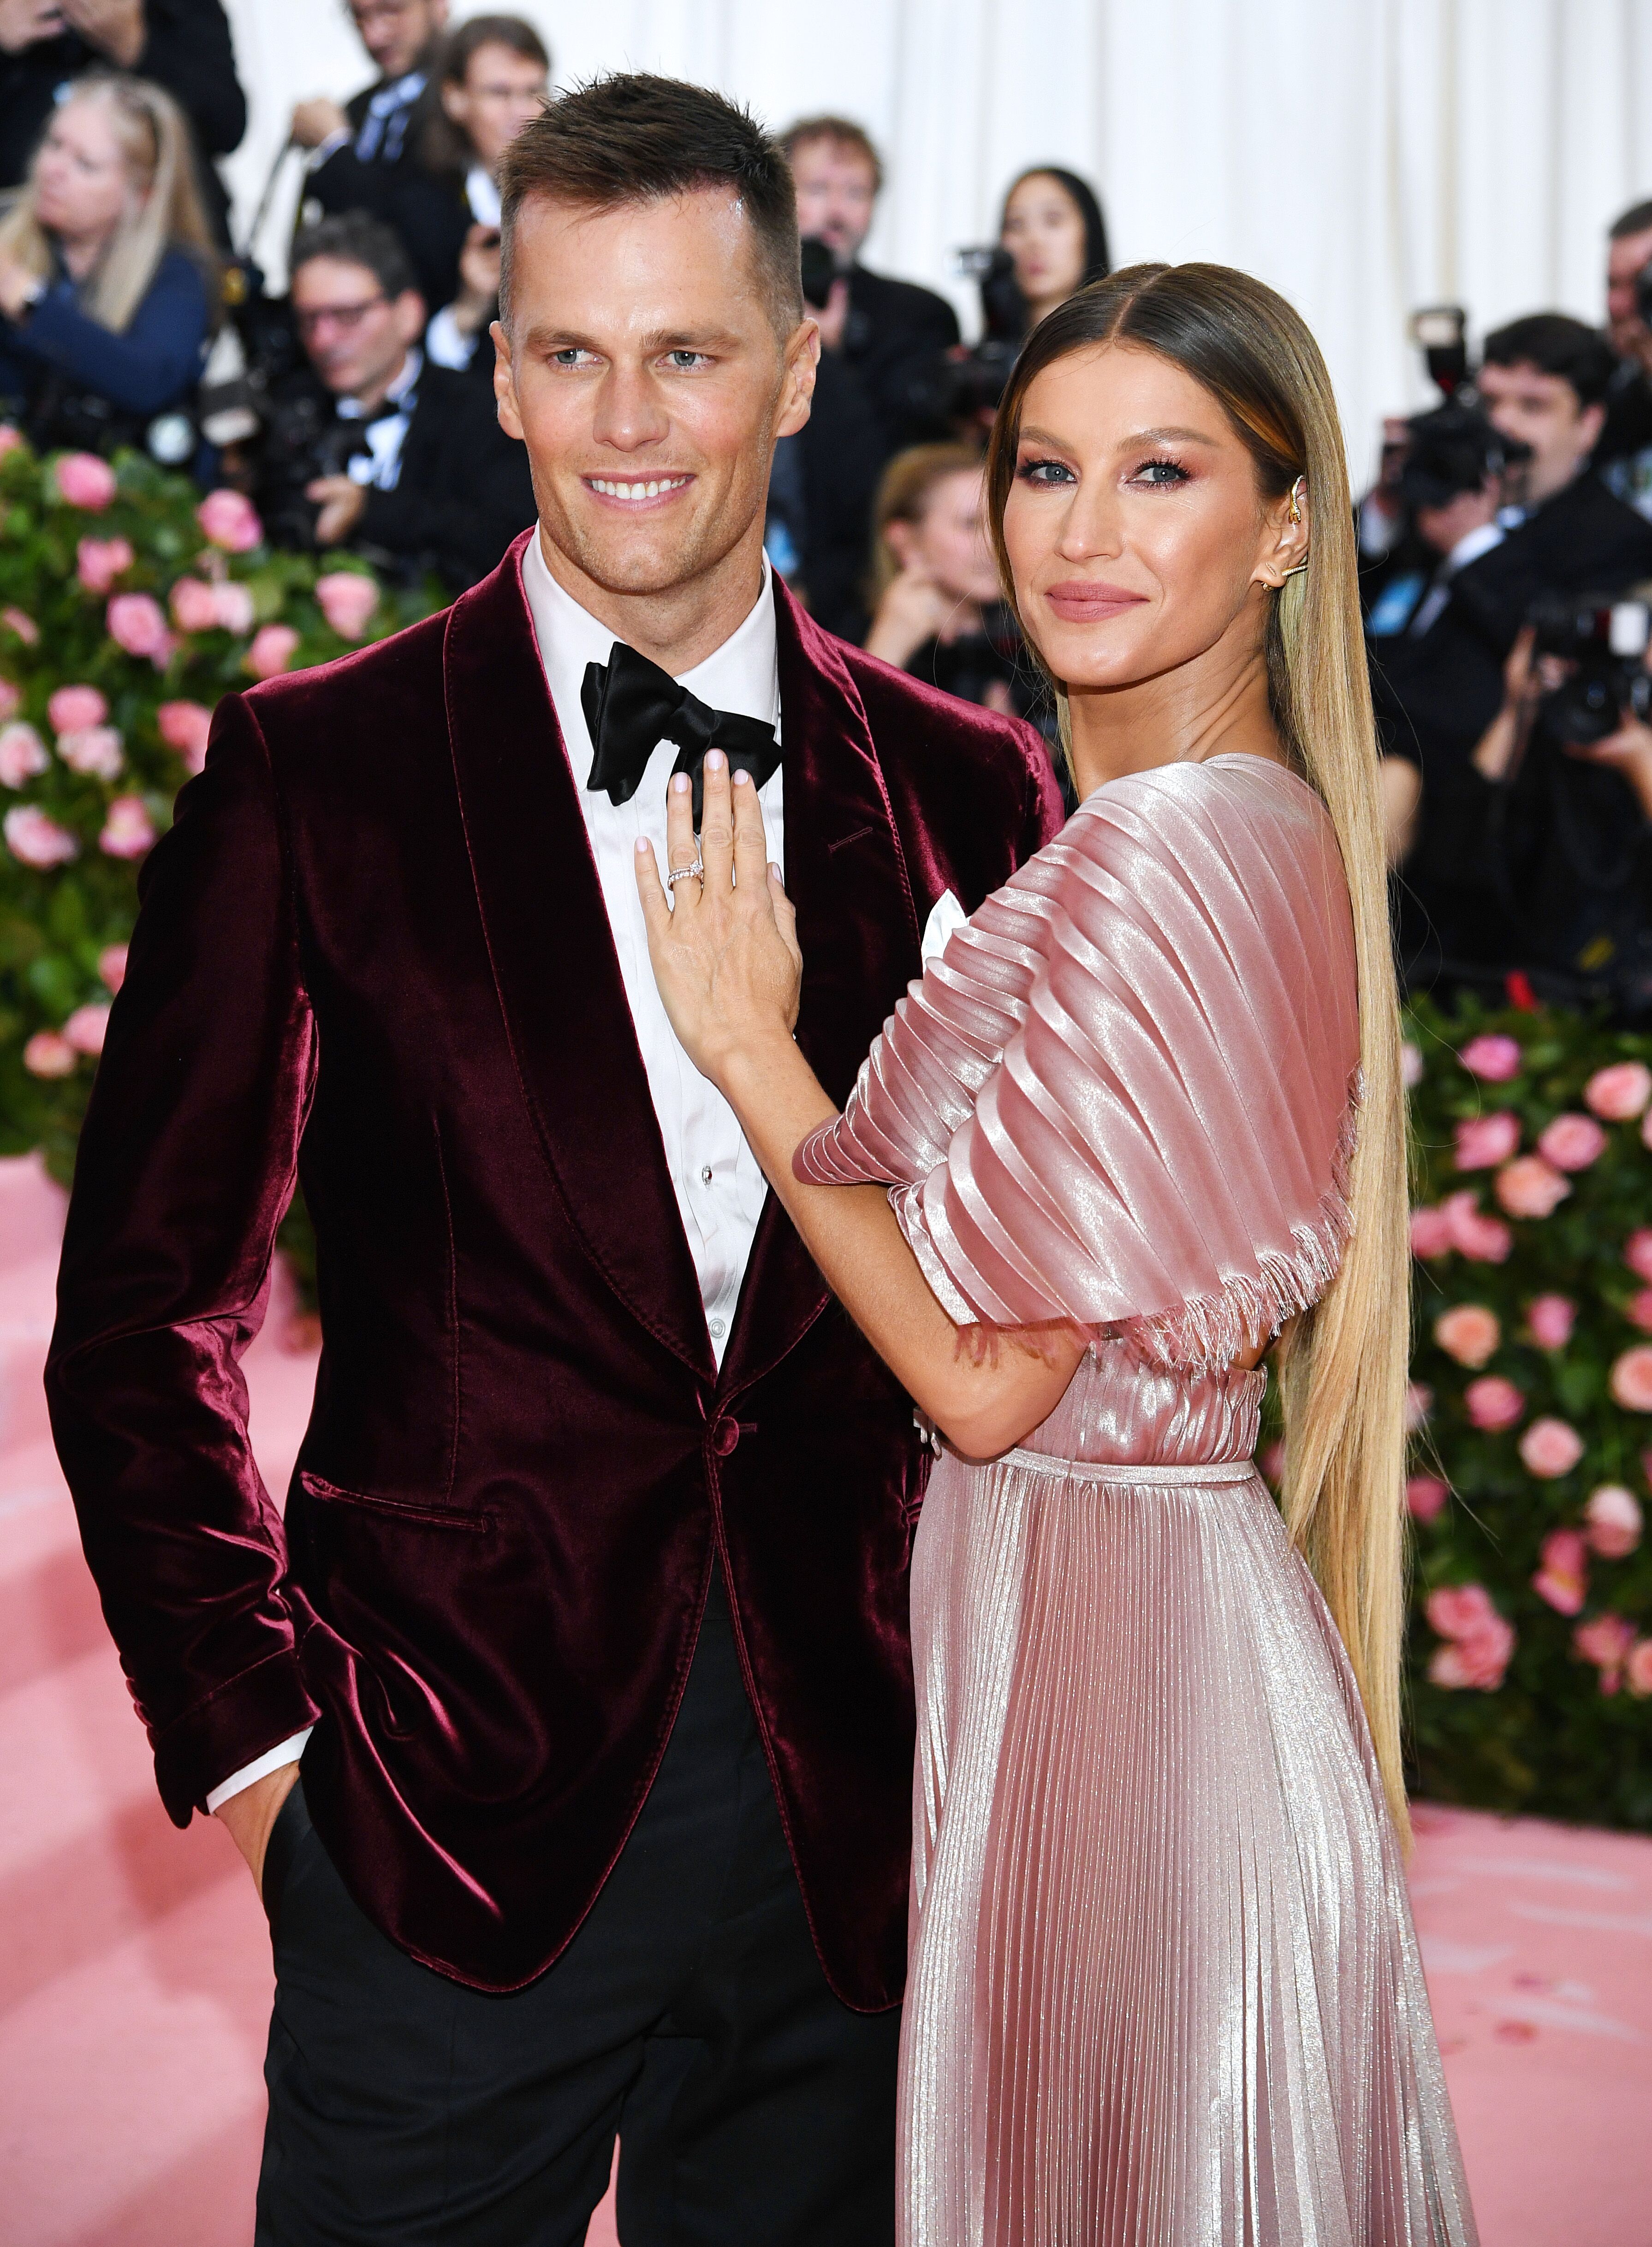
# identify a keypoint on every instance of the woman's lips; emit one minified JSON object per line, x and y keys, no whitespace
{"x":1088,"y":601}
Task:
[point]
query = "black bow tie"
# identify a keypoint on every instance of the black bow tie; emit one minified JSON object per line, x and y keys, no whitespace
{"x":632,"y":706}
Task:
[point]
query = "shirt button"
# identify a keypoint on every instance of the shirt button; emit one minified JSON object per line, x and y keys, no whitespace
{"x":705,"y":1176}
{"x":717,"y":1329}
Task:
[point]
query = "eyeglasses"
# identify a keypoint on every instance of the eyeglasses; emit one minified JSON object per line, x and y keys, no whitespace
{"x":347,"y":316}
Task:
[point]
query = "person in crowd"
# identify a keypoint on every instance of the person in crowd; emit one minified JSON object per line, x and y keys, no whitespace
{"x":587,"y":1610}
{"x":1624,"y":453}
{"x":492,"y":81}
{"x":366,"y":154}
{"x":1163,"y":1970}
{"x":875,"y":332}
{"x":936,"y":608}
{"x":370,"y":446}
{"x":108,"y":275}
{"x":1052,"y":228}
{"x":182,"y":46}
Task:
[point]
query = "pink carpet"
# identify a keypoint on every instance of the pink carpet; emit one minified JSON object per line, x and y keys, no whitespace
{"x":134,"y":1974}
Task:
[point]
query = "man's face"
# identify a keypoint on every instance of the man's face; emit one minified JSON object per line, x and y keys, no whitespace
{"x":1624,"y":261}
{"x":356,"y":337}
{"x":835,"y":195}
{"x":396,"y":32}
{"x":644,"y":373}
{"x":501,"y":91}
{"x":1542,"y":411}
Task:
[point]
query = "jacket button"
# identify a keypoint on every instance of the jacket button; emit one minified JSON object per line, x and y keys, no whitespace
{"x":724,"y":1436}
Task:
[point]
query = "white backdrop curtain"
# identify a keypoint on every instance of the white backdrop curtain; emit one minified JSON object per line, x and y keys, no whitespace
{"x":1365,"y":156}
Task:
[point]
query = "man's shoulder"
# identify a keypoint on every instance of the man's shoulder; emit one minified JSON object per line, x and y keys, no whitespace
{"x":383,"y":690}
{"x":882,"y":297}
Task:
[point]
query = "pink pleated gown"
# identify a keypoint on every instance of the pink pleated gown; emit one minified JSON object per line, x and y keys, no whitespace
{"x":1165,"y":1989}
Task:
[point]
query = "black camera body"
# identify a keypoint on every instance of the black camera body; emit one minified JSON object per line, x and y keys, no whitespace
{"x":1605,"y":641}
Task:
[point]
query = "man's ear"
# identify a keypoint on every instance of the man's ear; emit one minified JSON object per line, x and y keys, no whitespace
{"x":802,"y":366}
{"x":505,"y":384}
{"x":1591,"y":422}
{"x":410,"y":316}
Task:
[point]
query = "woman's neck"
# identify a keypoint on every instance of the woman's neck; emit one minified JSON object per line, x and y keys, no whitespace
{"x":80,"y":252}
{"x":1206,"y":708}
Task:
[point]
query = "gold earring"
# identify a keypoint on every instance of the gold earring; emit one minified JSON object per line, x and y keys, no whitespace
{"x":1296,"y":499}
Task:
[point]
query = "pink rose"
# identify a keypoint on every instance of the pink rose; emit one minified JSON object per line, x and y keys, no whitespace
{"x":1459,"y":1610}
{"x":186,"y":727}
{"x":92,"y":749}
{"x":272,"y":651}
{"x":1563,"y":1578}
{"x":1631,"y":1380}
{"x":1484,"y":1239}
{"x":1549,"y":1320}
{"x":11,"y":699}
{"x":128,"y":831}
{"x":99,"y":562}
{"x":194,"y":604}
{"x":1430,"y":1233}
{"x":72,"y":707}
{"x":84,"y":482}
{"x":1483,"y":1142}
{"x":19,"y":621}
{"x":1612,"y":1520}
{"x":1637,"y":1671}
{"x":1551,"y":1448}
{"x":1606,"y":1642}
{"x":1493,"y":1057}
{"x":22,"y":753}
{"x":1469,"y":1333}
{"x":230,"y":520}
{"x":34,"y":840}
{"x":48,"y":1054}
{"x":111,"y":966}
{"x":1529,"y":1187}
{"x":1426,"y":1494}
{"x":1480,"y":1641}
{"x":84,"y":1028}
{"x":1620,"y":1092}
{"x":347,"y":599}
{"x":1410,"y":1065}
{"x":1494,"y":1403}
{"x":1571,"y":1142}
{"x":1638,"y":1309}
{"x":11,"y":439}
{"x":139,"y":625}
{"x":1419,"y":1403}
{"x":233,"y":605}
{"x":1637,"y":1251}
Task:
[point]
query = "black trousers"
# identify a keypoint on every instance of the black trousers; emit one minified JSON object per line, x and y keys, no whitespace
{"x":689,"y":2015}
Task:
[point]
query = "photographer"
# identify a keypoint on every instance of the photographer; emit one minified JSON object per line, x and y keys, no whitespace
{"x":107,"y":276}
{"x":492,"y":78}
{"x":1624,"y":454}
{"x":873,"y":331}
{"x":364,"y":156}
{"x":182,"y":46}
{"x":369,"y":444}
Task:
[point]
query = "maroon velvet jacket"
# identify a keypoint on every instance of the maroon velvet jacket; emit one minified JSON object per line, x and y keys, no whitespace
{"x":373,"y":946}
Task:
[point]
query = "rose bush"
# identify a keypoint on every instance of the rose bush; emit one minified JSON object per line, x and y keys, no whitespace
{"x":128,"y":605}
{"x":1530,"y":1640}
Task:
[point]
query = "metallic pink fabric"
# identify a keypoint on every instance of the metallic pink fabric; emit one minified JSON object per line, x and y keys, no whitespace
{"x":1164,"y":1989}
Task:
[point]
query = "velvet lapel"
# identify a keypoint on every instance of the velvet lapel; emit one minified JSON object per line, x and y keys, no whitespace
{"x":857,"y":925}
{"x":556,"y":968}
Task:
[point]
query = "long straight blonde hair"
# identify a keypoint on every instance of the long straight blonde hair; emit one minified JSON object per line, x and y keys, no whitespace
{"x":164,"y":210}
{"x":1343,"y":1363}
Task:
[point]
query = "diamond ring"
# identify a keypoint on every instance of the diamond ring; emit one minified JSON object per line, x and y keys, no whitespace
{"x":683,"y":873}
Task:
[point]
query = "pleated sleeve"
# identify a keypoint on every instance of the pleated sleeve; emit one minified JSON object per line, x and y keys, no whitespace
{"x":1124,"y":1097}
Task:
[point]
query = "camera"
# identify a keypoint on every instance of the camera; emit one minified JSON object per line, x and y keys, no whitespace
{"x":1452,"y":450}
{"x":819,"y":270}
{"x":1605,"y":641}
{"x":304,"y":432}
{"x":965,"y":385}
{"x":1440,"y":333}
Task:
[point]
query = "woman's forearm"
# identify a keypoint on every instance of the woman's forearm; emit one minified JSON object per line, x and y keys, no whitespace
{"x":982,"y":1407}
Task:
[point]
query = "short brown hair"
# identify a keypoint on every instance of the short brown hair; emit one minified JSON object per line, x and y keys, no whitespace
{"x":632,"y":138}
{"x":842,"y":130}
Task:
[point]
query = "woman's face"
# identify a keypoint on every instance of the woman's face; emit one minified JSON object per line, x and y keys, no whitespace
{"x":1044,"y":233}
{"x":949,"y":540}
{"x":82,"y":185}
{"x":1138,"y":535}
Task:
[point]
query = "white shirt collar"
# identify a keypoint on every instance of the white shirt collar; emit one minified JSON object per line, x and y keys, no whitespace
{"x":352,"y":409}
{"x":743,"y":674}
{"x":1472,"y":545}
{"x":483,"y":195}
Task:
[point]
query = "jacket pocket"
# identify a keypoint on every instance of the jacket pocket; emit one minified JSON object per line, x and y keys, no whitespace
{"x":397,"y":1509}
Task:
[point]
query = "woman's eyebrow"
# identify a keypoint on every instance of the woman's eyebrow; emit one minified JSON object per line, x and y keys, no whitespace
{"x":1166,"y":437}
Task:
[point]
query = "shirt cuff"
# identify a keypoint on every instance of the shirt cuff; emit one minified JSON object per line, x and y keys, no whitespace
{"x":445,"y":344}
{"x":260,"y":1768}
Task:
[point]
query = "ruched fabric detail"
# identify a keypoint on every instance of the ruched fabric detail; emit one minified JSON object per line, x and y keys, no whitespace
{"x":1123,"y":1095}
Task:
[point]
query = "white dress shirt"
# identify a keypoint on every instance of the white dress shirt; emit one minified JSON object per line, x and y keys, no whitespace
{"x":719,"y":1188}
{"x":379,"y":467}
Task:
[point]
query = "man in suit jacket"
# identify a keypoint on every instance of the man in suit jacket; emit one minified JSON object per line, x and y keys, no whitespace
{"x":589,"y":1612}
{"x":874,"y":332}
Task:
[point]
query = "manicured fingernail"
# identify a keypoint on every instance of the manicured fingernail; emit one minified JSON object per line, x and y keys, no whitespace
{"x":714,"y":760}
{"x":742,"y":780}
{"x":642,"y":846}
{"x":680,"y":782}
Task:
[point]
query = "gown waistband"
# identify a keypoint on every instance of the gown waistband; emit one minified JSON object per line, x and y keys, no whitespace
{"x":1111,"y":1470}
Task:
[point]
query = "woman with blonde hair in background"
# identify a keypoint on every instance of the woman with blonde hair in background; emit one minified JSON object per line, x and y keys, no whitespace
{"x":1142,"y":1115}
{"x":108,"y":278}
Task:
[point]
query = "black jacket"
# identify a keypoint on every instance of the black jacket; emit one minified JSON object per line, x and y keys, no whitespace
{"x":860,"y":420}
{"x":463,"y":492}
{"x":188,"y":52}
{"x":428,"y":212}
